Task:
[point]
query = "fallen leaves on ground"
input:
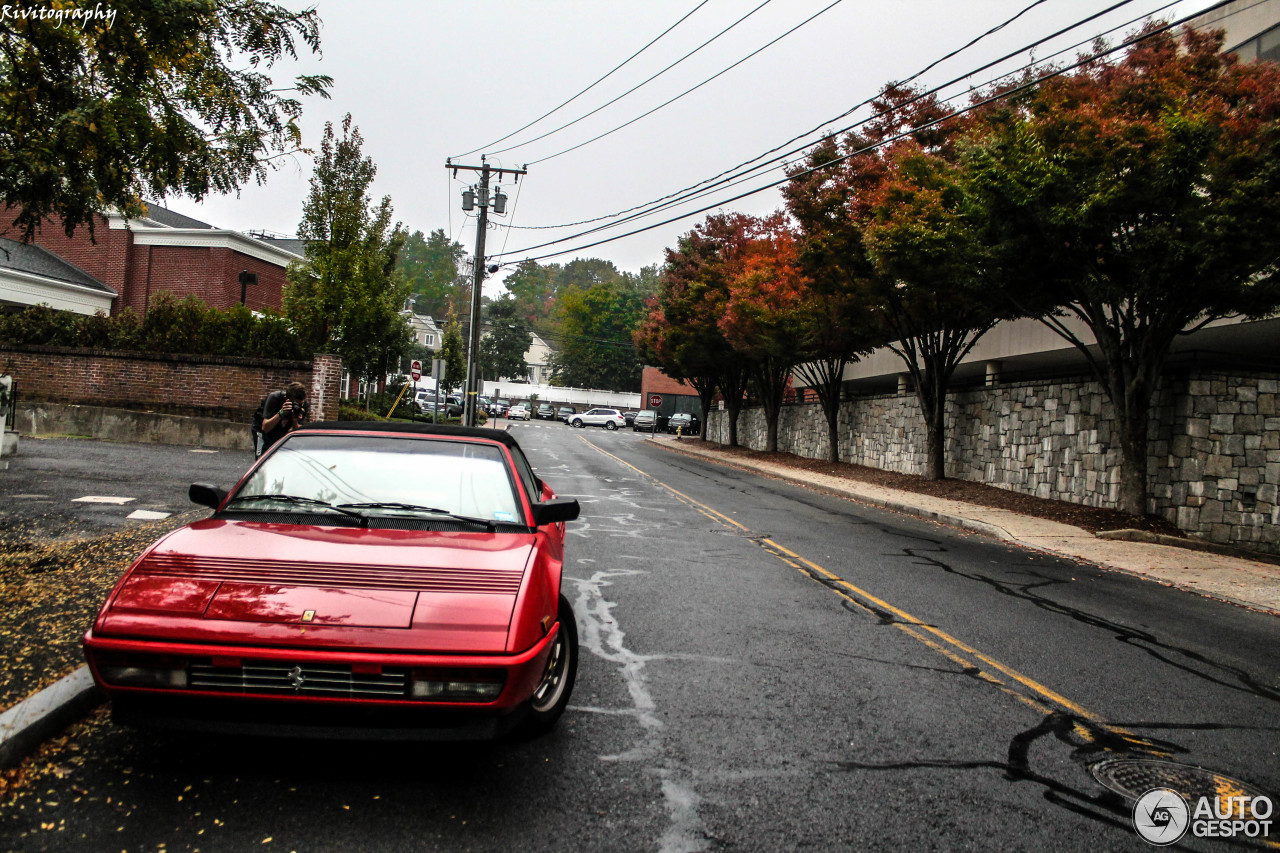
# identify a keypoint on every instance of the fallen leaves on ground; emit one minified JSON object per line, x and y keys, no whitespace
{"x":50,"y":591}
{"x":1091,"y":518}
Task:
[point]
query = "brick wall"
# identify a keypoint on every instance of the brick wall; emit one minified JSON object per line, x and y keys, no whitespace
{"x":106,"y":260}
{"x":200,"y":386}
{"x":139,"y":272}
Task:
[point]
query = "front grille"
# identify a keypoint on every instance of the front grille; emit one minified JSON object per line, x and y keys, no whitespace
{"x":311,"y":679}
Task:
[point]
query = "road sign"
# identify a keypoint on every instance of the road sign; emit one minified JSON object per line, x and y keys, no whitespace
{"x":415,"y":370}
{"x":437,"y":370}
{"x":655,"y":400}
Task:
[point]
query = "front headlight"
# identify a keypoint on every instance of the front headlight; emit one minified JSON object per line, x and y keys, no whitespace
{"x":143,"y":676}
{"x":456,"y":685}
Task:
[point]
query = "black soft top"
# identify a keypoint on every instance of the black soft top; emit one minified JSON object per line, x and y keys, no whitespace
{"x":406,"y":427}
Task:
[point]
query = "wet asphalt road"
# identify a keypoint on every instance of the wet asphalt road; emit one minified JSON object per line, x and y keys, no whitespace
{"x":763,"y":668}
{"x":39,"y":490}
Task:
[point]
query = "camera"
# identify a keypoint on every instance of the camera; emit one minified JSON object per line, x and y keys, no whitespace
{"x":300,"y":408}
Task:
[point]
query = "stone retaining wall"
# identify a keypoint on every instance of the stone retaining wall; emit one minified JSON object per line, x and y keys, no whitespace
{"x":1214,"y":446}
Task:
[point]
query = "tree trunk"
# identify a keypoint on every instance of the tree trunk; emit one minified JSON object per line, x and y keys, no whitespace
{"x":832,"y":410}
{"x":932,"y":394}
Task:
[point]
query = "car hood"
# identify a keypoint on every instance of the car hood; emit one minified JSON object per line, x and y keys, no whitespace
{"x":229,"y":581}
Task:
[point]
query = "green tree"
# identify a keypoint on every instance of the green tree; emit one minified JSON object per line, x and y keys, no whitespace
{"x":1139,"y":198}
{"x":157,"y":98}
{"x":453,"y":349}
{"x":532,"y":286}
{"x":503,"y":349}
{"x":430,"y":266}
{"x":594,"y":344}
{"x":346,"y":297}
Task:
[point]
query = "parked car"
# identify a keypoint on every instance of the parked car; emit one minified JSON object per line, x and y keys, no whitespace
{"x":518,"y":412}
{"x":499,"y":407}
{"x":685,"y":422}
{"x":564,"y":413}
{"x":406,"y":579}
{"x":645,"y":421}
{"x":630,"y":416}
{"x":546,"y":412}
{"x":610,"y":419}
{"x":454,"y":403}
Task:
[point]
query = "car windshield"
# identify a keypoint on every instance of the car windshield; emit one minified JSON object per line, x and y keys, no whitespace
{"x":422,"y":476}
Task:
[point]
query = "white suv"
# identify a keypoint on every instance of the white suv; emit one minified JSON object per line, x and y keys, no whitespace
{"x":607,"y":418}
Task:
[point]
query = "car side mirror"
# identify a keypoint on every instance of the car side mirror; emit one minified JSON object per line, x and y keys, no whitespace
{"x":555,"y":511}
{"x":206,"y":495}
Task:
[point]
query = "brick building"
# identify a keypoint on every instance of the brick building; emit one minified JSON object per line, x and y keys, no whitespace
{"x":130,"y":260}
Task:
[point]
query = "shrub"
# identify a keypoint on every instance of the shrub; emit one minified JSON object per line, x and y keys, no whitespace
{"x":186,"y":326}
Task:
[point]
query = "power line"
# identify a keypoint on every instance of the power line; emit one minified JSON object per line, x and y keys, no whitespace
{"x":815,"y":129}
{"x":691,"y":89}
{"x":589,"y":88}
{"x":1020,"y":88}
{"x":714,"y":183}
{"x":638,"y":85}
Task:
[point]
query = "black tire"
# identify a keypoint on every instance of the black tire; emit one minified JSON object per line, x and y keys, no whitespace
{"x":552,"y":695}
{"x":610,"y":425}
{"x":577,"y":422}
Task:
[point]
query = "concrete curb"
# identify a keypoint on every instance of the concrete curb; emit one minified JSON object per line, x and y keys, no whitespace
{"x":40,"y":716}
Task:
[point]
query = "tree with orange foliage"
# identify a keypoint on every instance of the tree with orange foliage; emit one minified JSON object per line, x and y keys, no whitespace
{"x":1132,"y":201}
{"x":764,"y":317}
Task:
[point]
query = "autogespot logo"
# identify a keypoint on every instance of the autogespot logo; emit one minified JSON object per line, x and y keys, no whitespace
{"x":1161,"y":816}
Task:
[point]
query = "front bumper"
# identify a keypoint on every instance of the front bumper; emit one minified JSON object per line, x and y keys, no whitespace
{"x":250,"y":707}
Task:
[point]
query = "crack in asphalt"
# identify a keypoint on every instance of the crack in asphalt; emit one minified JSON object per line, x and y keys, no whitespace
{"x":1230,"y":677}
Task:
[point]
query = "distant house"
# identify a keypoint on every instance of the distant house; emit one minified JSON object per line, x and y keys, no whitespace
{"x":130,"y":260}
{"x":426,"y":332}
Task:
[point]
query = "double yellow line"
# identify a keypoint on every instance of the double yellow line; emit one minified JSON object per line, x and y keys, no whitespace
{"x":1021,"y":687}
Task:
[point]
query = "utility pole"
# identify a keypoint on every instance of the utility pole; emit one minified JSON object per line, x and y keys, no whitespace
{"x":469,"y":199}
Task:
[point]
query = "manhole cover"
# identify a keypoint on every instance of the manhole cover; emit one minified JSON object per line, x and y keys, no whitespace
{"x":1133,"y":777}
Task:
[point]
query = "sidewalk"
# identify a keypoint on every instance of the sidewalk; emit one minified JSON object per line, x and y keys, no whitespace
{"x":1244,"y":582}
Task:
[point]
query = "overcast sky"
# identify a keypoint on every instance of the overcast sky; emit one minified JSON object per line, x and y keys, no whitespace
{"x":425,"y":80}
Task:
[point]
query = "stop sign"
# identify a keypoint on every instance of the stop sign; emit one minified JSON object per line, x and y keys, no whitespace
{"x":415,"y":370}
{"x":655,"y":400}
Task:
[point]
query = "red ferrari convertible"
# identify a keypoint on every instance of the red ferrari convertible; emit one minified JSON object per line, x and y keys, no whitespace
{"x":366,"y":580}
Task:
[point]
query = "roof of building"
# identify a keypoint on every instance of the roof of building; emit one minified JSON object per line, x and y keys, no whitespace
{"x":169,"y":218}
{"x":35,"y":260}
{"x":289,"y":244}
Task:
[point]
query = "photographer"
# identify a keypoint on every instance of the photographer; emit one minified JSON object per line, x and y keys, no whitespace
{"x":283,"y":412}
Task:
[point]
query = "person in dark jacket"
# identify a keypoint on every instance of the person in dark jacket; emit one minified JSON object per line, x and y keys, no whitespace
{"x":283,"y":412}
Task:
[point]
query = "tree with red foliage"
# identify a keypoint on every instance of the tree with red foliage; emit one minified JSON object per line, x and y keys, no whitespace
{"x":682,"y":333}
{"x":1138,"y":198}
{"x":764,"y":316}
{"x":883,"y":207}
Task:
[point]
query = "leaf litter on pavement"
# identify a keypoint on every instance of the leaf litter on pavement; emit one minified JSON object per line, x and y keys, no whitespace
{"x":50,"y":591}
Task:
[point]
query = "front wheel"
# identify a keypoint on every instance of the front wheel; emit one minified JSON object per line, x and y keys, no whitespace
{"x":610,"y":425}
{"x":552,"y":695}
{"x":577,"y":422}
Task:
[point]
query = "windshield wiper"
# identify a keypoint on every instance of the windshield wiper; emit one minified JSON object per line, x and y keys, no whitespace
{"x":417,"y":508}
{"x":297,"y":499}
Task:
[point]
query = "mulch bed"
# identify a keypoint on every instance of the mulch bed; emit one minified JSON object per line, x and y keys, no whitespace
{"x":1093,"y":519}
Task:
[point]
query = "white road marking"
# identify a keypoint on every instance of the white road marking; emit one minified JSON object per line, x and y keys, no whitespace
{"x":101,"y":499}
{"x":148,"y":515}
{"x":605,"y":639}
